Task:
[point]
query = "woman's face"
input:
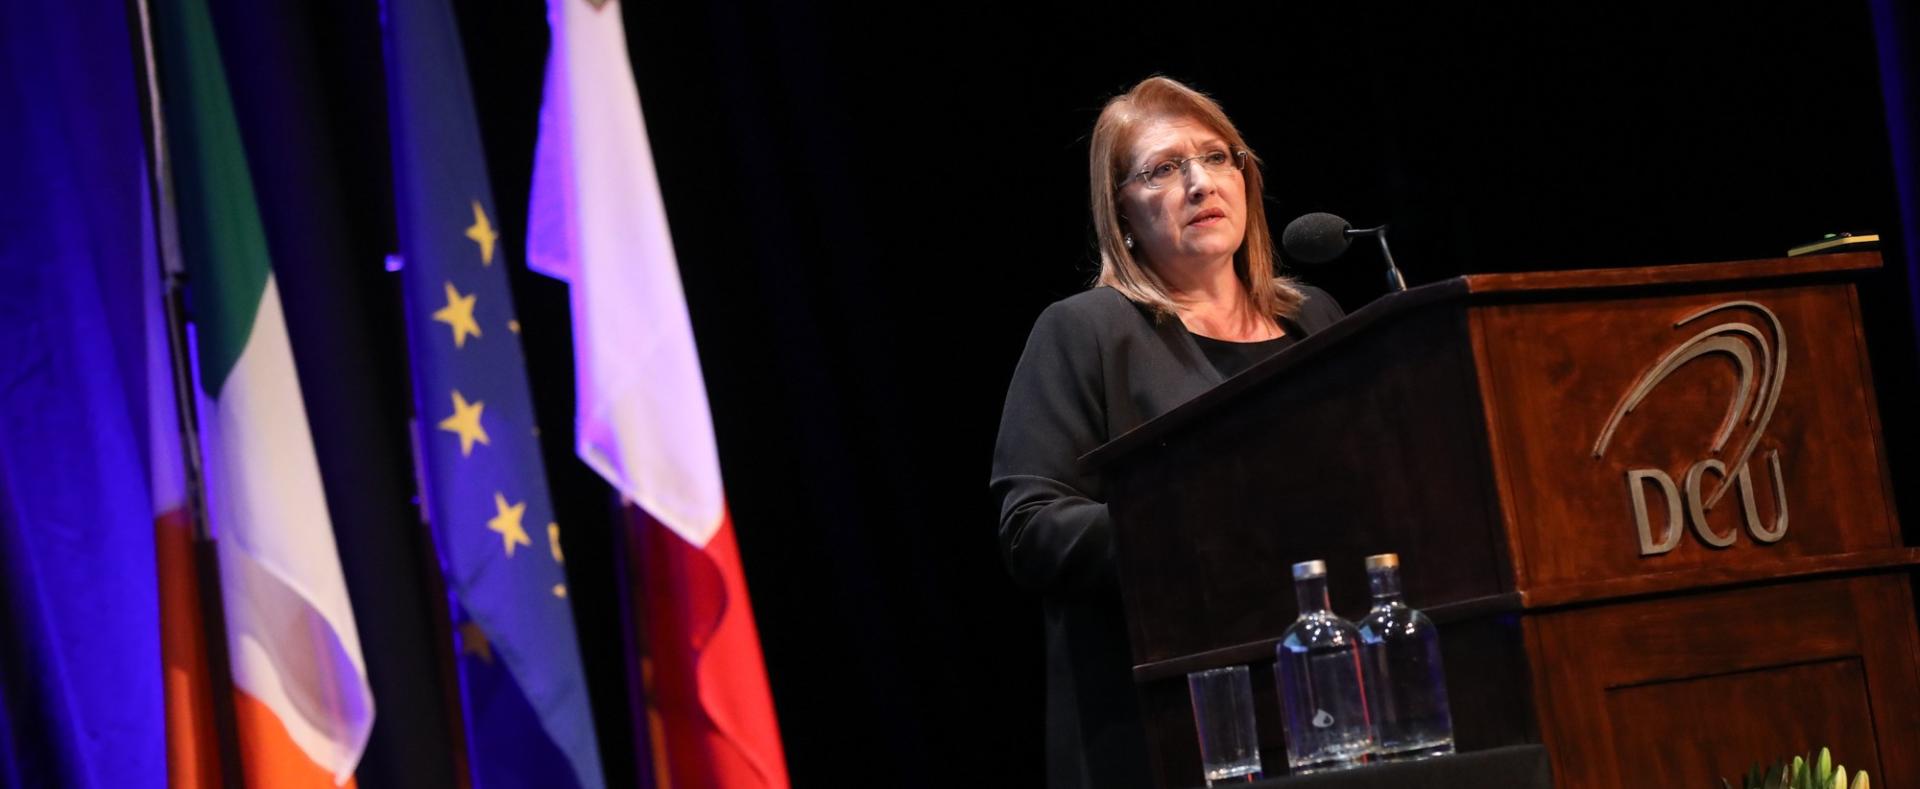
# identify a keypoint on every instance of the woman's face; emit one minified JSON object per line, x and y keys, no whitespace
{"x":1198,"y":215}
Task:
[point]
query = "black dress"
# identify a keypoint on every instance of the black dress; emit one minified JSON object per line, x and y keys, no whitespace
{"x":1095,"y":366}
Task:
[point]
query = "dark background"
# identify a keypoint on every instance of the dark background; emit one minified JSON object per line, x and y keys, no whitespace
{"x":871,"y":204}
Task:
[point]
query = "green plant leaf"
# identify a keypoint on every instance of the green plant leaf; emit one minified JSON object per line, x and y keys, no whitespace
{"x":1815,"y":770}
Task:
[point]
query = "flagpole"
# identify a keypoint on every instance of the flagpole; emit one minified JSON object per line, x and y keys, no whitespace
{"x":206,"y":561}
{"x":452,"y":679}
{"x":649,"y":745}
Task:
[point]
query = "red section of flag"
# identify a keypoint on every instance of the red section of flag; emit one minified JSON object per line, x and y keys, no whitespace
{"x":709,"y":686}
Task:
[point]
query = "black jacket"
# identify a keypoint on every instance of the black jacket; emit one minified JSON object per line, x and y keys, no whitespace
{"x":1095,"y":367}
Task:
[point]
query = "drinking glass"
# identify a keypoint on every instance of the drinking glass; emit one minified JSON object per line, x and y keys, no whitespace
{"x":1223,"y":715}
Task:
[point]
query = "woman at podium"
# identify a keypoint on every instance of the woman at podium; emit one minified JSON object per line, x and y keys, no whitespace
{"x":1188,"y":295}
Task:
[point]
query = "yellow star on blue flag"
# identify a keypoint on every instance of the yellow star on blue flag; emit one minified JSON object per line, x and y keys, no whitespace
{"x":459,"y":314}
{"x":465,"y":423}
{"x":506,"y":521}
{"x":481,"y":231}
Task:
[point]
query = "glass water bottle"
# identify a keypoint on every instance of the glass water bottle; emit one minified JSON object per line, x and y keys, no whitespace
{"x":1317,"y":667}
{"x":1406,"y":688}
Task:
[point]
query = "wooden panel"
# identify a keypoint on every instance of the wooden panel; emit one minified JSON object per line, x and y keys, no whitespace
{"x":1713,"y":727}
{"x":1383,"y":314}
{"x":1595,"y":668}
{"x":1867,"y":390}
{"x":1347,"y":458}
{"x":1718,"y":576}
{"x":1488,"y":683}
{"x":1891,"y":648}
{"x":1554,"y":373}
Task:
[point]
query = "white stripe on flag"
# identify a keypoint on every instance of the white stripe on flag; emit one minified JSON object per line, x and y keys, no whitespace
{"x":290,"y":624}
{"x":597,"y":220}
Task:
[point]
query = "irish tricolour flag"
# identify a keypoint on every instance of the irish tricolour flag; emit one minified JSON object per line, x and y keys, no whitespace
{"x":303,"y":707}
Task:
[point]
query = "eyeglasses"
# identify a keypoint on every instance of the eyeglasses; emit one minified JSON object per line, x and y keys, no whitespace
{"x":1159,"y":175}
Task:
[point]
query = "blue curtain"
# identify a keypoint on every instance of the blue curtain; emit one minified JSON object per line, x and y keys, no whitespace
{"x":80,"y":670}
{"x":1897,"y":33}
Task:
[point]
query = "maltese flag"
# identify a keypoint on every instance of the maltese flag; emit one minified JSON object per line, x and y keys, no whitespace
{"x":597,"y":221}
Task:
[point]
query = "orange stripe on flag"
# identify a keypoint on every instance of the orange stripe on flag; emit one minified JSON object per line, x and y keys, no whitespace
{"x":193,"y":747}
{"x":268,"y":755}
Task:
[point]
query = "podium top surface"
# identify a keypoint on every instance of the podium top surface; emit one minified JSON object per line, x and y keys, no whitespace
{"x":1687,"y":273}
{"x":1470,"y":289}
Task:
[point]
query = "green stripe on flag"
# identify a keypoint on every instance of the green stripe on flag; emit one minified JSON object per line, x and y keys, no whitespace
{"x":220,"y":229}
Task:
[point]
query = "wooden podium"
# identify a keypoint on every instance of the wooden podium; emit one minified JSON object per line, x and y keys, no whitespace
{"x":1649,"y":509}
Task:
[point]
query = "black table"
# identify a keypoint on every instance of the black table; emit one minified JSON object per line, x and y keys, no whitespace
{"x":1511,"y":767}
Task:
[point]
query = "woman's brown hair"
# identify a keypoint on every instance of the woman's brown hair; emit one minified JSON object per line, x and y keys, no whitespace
{"x":1114,"y":135}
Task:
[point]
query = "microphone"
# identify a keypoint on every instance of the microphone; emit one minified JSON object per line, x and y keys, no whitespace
{"x":1316,"y":238}
{"x":1319,"y":237}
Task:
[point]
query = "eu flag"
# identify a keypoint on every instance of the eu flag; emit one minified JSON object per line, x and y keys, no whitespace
{"x":525,"y":694}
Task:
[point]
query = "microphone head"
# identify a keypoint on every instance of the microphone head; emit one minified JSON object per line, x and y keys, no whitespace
{"x":1315,"y":238}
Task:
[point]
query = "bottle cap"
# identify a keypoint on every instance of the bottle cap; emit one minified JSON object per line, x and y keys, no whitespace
{"x":1312,"y":569}
{"x":1382,"y":561}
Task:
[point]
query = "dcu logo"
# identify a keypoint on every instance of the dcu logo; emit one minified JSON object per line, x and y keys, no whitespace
{"x":1760,"y":357}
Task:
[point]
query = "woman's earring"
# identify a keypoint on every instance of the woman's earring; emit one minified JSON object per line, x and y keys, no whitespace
{"x":1129,"y":240}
